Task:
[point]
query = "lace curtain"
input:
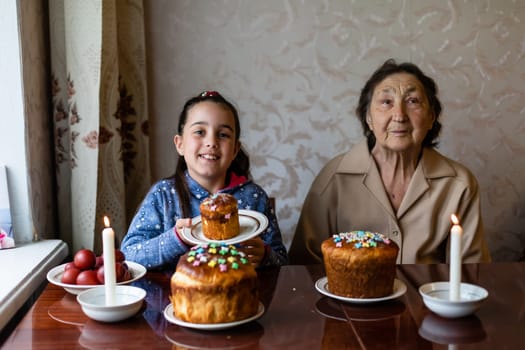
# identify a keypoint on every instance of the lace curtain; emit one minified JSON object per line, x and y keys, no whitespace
{"x":100,"y":116}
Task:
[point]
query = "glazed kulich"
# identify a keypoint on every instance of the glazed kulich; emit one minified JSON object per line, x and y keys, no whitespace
{"x":220,"y":217}
{"x":360,"y":264}
{"x":214,"y":283}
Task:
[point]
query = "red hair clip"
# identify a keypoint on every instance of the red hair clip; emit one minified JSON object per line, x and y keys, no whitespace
{"x":209,"y":93}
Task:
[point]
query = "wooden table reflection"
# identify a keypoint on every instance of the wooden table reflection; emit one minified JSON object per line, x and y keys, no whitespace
{"x":296,"y":317}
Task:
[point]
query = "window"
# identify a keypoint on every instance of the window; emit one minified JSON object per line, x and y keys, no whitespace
{"x":12,"y":136}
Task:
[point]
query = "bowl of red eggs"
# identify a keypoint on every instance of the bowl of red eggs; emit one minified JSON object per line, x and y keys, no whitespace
{"x":86,"y":271}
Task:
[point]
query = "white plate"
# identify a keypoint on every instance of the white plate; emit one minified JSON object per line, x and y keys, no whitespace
{"x":168,"y":314}
{"x":251,"y":223}
{"x":55,"y":275}
{"x":322,"y":287}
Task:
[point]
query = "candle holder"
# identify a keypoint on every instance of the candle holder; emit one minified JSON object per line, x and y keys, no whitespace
{"x":127,"y":302}
{"x":436,"y":297}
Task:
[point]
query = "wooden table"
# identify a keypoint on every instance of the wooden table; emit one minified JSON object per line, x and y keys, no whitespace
{"x":296,"y":317}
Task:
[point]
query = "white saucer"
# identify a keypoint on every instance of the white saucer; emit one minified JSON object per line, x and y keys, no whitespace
{"x":251,"y":222}
{"x":322,"y":287}
{"x":54,"y":276}
{"x":168,"y":314}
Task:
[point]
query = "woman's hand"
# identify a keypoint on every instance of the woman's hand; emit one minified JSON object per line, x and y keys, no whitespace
{"x":180,"y":225}
{"x":255,"y":250}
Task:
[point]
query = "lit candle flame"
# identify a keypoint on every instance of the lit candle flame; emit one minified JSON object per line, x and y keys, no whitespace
{"x":454,"y":219}
{"x":106,"y":221}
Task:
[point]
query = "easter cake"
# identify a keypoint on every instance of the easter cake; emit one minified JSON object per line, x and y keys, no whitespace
{"x":214,"y":283}
{"x":360,"y":264}
{"x":220,"y":217}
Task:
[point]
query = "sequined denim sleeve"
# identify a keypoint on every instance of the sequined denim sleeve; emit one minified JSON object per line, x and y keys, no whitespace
{"x":150,"y":240}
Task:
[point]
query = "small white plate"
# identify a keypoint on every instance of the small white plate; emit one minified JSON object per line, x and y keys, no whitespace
{"x":55,"y":275}
{"x":251,"y":223}
{"x":168,"y":314}
{"x":322,"y":287}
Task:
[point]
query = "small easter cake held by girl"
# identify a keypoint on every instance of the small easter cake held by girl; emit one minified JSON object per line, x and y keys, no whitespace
{"x":220,"y":217}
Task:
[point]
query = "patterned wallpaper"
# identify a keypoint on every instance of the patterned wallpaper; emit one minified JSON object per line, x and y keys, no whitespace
{"x":295,"y":68}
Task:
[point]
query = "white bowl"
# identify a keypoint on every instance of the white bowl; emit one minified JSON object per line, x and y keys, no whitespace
{"x":436,"y":298}
{"x":128,"y":301}
{"x":55,"y":275}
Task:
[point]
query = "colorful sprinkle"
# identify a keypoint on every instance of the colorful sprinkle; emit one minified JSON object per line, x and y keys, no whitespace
{"x":225,"y":257}
{"x":360,"y":239}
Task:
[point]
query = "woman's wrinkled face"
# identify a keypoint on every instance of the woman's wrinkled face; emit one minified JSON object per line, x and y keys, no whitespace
{"x":399,"y":114}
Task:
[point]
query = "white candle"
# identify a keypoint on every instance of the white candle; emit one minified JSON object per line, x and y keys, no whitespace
{"x":455,"y":259}
{"x":108,"y":249}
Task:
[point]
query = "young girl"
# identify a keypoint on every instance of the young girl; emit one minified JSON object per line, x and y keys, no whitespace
{"x":211,"y":160}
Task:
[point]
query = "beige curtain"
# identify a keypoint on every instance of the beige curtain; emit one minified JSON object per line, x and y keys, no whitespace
{"x":100,"y":116}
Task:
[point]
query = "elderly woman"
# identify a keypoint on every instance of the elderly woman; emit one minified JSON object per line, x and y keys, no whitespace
{"x":395,"y":182}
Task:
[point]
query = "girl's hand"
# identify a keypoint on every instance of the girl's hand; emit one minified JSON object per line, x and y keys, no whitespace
{"x":255,"y":250}
{"x":182,"y":224}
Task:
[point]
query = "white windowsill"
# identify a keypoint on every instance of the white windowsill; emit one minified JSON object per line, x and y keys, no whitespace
{"x":24,"y":268}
